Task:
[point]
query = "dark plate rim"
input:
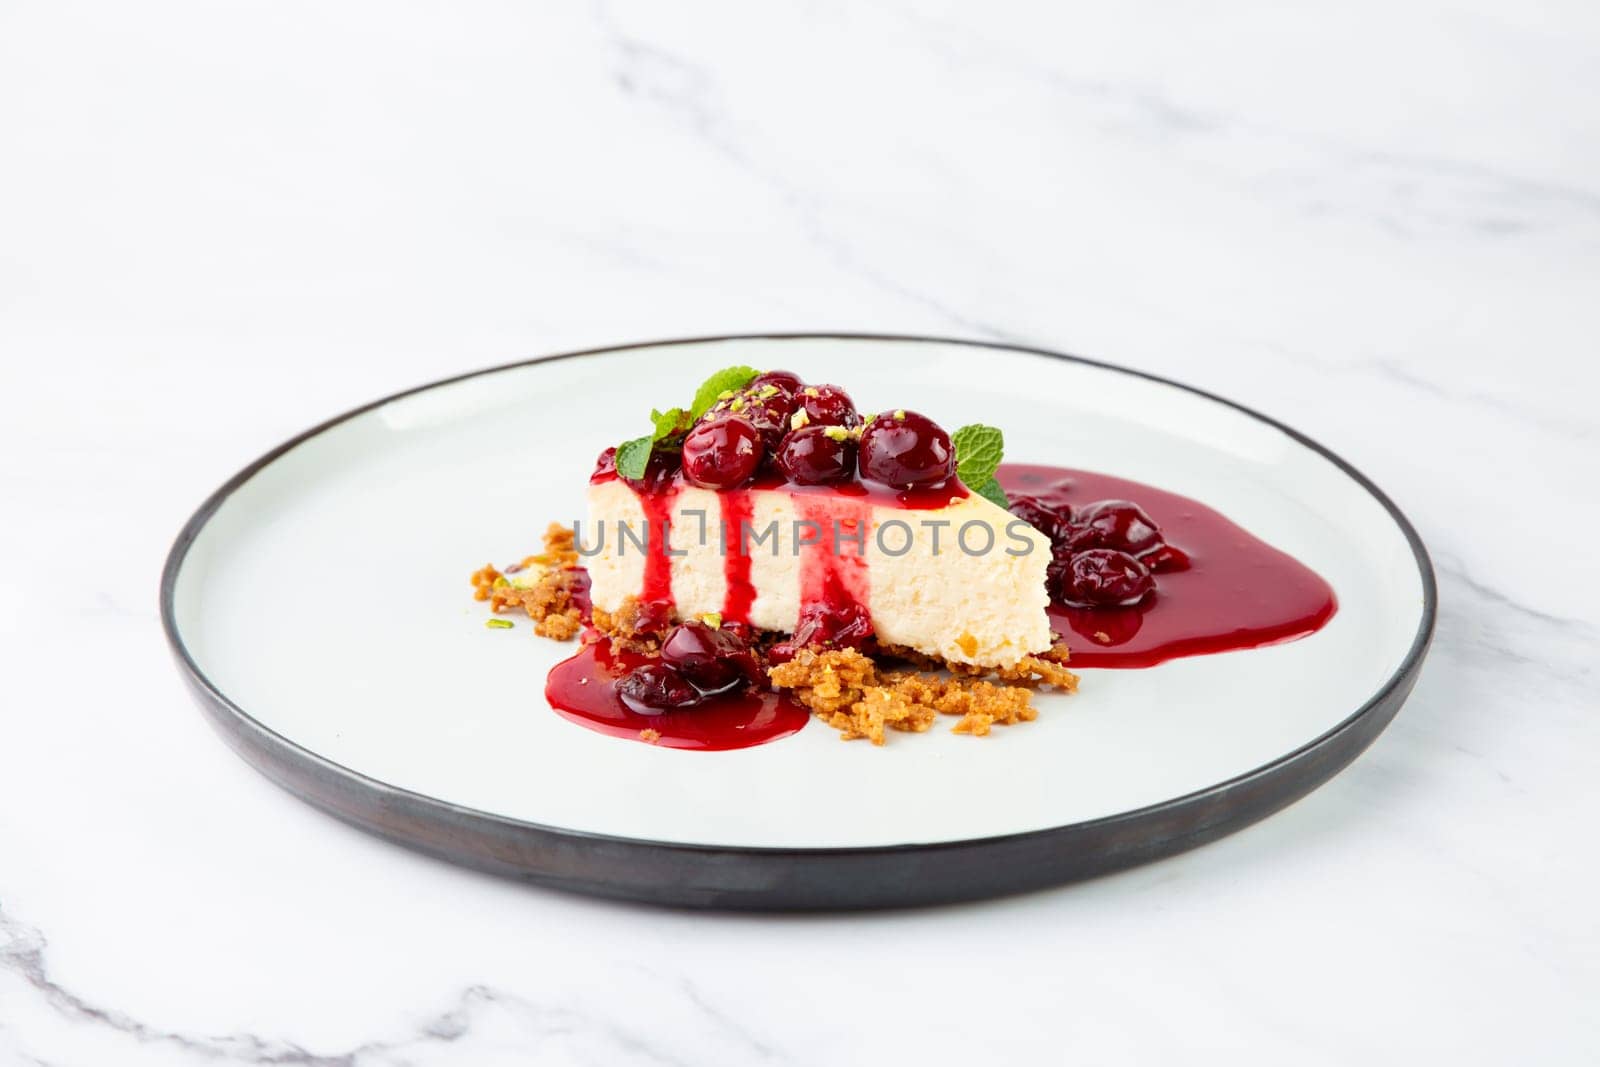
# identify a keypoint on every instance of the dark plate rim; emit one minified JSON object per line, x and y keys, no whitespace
{"x":286,"y":762}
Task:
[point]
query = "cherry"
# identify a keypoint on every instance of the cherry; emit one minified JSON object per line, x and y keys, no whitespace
{"x":605,"y":466}
{"x":722,"y":453}
{"x":827,"y":405}
{"x":905,"y":449}
{"x":1058,"y":574}
{"x":652,"y":616}
{"x":1119,"y":524}
{"x":825,"y":626}
{"x":788,"y":381}
{"x":1097,"y":577}
{"x":1165,"y":558}
{"x":654,"y":688}
{"x":816,"y":455}
{"x":714,"y":659}
{"x":1051,"y":520}
{"x":659,"y":472}
{"x":770,"y":415}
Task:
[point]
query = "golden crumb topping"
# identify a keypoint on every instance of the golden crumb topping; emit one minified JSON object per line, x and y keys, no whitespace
{"x":542,"y":586}
{"x":848,"y":691}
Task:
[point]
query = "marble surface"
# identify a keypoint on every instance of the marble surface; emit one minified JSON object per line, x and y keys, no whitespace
{"x":220,"y":224}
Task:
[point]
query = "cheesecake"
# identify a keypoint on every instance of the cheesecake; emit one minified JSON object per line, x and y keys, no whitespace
{"x":957,"y":579}
{"x":768,"y":552}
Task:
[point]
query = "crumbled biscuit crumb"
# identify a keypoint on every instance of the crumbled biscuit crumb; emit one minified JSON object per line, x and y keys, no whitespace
{"x":549,"y":599}
{"x":846,"y":689}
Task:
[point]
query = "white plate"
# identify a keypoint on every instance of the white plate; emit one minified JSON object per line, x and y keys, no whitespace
{"x":319,"y":603}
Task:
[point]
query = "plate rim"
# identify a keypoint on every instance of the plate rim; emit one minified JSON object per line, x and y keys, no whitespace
{"x":858,"y":876}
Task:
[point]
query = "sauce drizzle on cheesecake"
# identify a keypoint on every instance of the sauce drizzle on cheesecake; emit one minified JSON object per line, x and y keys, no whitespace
{"x":835,"y":587}
{"x":738,"y":513}
{"x":657,"y":505}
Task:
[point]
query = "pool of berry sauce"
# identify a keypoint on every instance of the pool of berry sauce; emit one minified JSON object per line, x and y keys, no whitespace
{"x":582,"y":689}
{"x":1238,"y":592}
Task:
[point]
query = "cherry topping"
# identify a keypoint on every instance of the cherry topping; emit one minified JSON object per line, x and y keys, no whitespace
{"x":659,"y":472}
{"x":905,"y":449}
{"x":605,"y":466}
{"x":1103,"y":576}
{"x":1119,"y":524}
{"x":771,"y":415}
{"x":827,"y":405}
{"x":788,"y":381}
{"x":816,"y":455}
{"x":653,"y":688}
{"x":714,"y":659}
{"x":722,"y":453}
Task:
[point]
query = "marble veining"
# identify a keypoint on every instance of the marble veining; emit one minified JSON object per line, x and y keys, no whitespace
{"x":460,"y":1025}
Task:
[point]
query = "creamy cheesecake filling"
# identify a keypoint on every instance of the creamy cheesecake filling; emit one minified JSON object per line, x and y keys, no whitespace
{"x":964,"y":581}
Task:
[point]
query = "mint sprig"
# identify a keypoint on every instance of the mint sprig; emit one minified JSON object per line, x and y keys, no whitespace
{"x":726,"y":380}
{"x":670,"y":422}
{"x":633,"y":457}
{"x":979,"y":450}
{"x":991,"y":491}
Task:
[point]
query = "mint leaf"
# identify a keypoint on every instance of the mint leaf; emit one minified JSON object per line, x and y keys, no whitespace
{"x":991,"y":491}
{"x":979,"y":449}
{"x":670,"y":422}
{"x":633,"y":456}
{"x":725,"y":380}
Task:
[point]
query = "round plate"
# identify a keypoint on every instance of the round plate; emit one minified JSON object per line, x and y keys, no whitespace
{"x":319,"y":606}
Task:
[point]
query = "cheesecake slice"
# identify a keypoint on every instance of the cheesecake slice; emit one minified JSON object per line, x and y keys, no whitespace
{"x":774,"y":504}
{"x":768,"y":555}
{"x":963,"y":581}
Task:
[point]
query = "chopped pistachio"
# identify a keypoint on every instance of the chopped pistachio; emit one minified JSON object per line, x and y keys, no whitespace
{"x":712,"y":619}
{"x":500,"y":583}
{"x":499,"y":624}
{"x":767,"y":391}
{"x":799,"y":419}
{"x":810,"y":390}
{"x":900,"y":414}
{"x":737,"y":405}
{"x":836,"y":433}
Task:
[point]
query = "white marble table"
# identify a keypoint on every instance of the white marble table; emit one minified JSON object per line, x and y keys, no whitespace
{"x":218,"y":225}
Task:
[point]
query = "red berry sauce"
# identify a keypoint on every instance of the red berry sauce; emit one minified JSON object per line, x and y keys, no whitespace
{"x":738,"y":513}
{"x":583,"y":689}
{"x":1237,"y":591}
